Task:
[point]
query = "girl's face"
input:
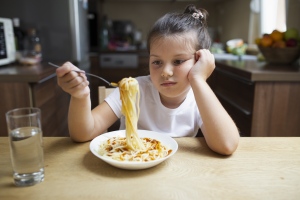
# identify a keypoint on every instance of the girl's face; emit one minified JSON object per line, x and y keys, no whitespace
{"x":171,"y":59}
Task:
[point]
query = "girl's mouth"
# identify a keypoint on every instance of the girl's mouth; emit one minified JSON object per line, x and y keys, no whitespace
{"x":168,"y":83}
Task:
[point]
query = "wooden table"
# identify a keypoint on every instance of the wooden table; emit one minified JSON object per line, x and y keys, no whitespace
{"x":261,"y":168}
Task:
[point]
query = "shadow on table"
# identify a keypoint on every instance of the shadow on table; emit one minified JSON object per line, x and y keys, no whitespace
{"x":197,"y":147}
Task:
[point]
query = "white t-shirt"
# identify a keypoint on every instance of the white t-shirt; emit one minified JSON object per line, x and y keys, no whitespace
{"x":183,"y":121}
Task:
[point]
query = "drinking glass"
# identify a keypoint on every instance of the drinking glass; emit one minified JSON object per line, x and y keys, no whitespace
{"x":26,"y":145}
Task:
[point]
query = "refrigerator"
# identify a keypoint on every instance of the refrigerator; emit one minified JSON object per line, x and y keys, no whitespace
{"x":62,"y":26}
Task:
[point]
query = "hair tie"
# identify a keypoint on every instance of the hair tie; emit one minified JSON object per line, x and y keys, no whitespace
{"x":197,"y":15}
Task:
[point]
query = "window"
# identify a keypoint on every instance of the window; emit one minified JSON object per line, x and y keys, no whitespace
{"x":265,"y":16}
{"x":272,"y":16}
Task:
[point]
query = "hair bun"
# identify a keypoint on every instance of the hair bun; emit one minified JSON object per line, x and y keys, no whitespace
{"x":199,"y":14}
{"x":190,"y":9}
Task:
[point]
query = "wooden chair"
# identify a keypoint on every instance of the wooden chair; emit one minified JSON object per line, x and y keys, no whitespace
{"x":103,"y":92}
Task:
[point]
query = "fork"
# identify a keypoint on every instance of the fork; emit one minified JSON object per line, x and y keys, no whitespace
{"x":109,"y":83}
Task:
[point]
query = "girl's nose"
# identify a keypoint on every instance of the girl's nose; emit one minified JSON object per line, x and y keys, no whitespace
{"x":167,"y":71}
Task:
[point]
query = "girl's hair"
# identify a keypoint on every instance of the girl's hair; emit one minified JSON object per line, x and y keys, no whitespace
{"x":192,"y":19}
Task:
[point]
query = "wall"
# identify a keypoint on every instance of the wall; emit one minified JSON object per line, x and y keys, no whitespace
{"x":293,"y":14}
{"x":233,"y":19}
{"x":227,"y":18}
{"x":144,"y":14}
{"x":230,"y":18}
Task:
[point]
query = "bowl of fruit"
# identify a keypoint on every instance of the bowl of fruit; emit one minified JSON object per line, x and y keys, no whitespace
{"x":280,"y":48}
{"x":236,"y":47}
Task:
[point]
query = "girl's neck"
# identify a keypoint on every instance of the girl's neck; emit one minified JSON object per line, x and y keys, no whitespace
{"x":170,"y":102}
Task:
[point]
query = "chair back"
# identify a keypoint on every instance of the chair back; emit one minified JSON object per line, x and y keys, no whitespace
{"x":103,"y":92}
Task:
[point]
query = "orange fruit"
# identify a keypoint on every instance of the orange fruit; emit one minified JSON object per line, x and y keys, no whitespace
{"x":277,"y":35}
{"x":266,"y":40}
{"x":279,"y":44}
{"x":258,"y":41}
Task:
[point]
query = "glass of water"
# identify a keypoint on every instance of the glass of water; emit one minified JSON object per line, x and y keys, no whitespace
{"x":26,"y":145}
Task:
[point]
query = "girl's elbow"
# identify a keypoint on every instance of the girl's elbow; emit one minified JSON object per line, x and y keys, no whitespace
{"x":228,"y":150}
{"x":230,"y":147}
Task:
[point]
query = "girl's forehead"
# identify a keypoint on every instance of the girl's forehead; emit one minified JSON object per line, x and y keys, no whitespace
{"x":184,"y":41}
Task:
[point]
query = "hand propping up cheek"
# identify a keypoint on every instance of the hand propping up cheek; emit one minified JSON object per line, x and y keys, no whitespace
{"x":74,"y":83}
{"x":204,"y":66}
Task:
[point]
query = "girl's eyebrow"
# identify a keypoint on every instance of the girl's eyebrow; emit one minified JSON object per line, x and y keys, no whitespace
{"x":182,"y":54}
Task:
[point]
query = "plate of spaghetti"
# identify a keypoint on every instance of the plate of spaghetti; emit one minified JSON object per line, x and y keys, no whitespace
{"x":111,"y":148}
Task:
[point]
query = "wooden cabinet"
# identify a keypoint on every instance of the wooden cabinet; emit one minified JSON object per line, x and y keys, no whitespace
{"x":237,"y":96}
{"x":54,"y":104}
{"x":34,"y":86}
{"x":276,"y":109}
{"x":262,"y":100}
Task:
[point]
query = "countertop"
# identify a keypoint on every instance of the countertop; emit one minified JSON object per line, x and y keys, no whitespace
{"x":250,"y":70}
{"x":261,"y":168}
{"x":253,"y":70}
{"x":26,"y":73}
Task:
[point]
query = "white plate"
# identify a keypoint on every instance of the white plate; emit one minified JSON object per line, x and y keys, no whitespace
{"x":131,"y":165}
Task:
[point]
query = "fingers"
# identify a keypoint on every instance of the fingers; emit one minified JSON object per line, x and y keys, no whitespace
{"x":73,"y":80}
{"x":70,"y":81}
{"x":203,"y":53}
{"x":205,"y":56}
{"x":65,"y":69}
{"x":204,"y":66}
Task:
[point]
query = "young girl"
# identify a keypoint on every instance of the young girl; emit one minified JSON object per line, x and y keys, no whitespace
{"x":175,"y":99}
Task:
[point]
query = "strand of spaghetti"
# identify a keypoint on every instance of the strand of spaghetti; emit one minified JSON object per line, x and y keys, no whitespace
{"x":129,"y":94}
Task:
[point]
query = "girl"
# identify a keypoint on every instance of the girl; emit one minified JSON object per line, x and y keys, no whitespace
{"x":175,"y":98}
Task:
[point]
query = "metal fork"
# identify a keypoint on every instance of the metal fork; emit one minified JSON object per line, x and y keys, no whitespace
{"x":109,"y":83}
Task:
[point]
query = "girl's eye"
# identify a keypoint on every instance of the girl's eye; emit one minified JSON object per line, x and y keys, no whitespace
{"x":178,"y":62}
{"x":156,"y":62}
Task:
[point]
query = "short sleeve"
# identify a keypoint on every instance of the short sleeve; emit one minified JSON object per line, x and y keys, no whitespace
{"x":113,"y":100}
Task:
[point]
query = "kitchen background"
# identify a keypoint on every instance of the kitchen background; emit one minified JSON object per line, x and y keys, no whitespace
{"x":53,"y":19}
{"x":228,"y":19}
{"x":72,"y":30}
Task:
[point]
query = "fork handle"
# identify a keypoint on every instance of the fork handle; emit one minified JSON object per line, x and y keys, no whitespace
{"x":110,"y":84}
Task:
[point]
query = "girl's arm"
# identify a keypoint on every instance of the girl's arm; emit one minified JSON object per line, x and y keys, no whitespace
{"x":83,"y":123}
{"x":219,"y":130}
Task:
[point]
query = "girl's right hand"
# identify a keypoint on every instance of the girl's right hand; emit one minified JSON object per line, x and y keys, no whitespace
{"x":74,"y":83}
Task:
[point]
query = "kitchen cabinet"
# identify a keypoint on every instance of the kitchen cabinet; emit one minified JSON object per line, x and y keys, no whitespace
{"x":236,"y":95}
{"x":34,"y":86}
{"x":263,"y":100}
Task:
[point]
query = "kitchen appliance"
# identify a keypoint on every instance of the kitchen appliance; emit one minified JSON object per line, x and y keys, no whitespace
{"x":7,"y":42}
{"x":119,"y":60}
{"x":62,"y":27}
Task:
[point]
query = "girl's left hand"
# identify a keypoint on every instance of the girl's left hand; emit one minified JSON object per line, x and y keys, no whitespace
{"x":204,"y":66}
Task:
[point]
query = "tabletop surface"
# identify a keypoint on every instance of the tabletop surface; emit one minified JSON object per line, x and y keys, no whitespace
{"x":261,"y":168}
